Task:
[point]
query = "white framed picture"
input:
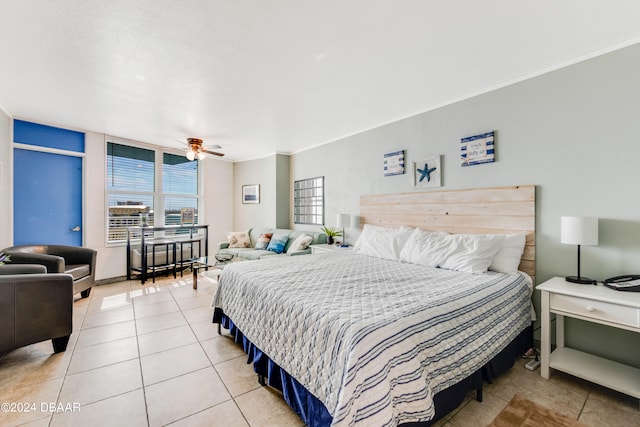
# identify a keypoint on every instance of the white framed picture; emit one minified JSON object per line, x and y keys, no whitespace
{"x":394,"y":163}
{"x":477,"y":149}
{"x":427,"y":172}
{"x":251,"y":194}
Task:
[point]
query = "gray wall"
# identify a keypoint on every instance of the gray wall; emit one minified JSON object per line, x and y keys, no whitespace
{"x":283,"y":179}
{"x":272,"y":173}
{"x":263,"y":172}
{"x":5,"y":181}
{"x":574,"y":133}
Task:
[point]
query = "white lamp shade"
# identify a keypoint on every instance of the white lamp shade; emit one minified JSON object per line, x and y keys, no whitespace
{"x":201,"y":155}
{"x":190,"y":155}
{"x":579,"y":230}
{"x":343,"y":221}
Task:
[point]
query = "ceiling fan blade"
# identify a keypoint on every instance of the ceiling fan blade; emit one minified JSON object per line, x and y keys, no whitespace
{"x":213,"y":152}
{"x":212,"y":147}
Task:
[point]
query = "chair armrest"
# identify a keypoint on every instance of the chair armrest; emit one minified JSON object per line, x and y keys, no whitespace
{"x":54,"y":264}
{"x":44,"y":281}
{"x":22,"y":269}
{"x":48,"y":284}
{"x":222,"y":245}
{"x":302,"y":252}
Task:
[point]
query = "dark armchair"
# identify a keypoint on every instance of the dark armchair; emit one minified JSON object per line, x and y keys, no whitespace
{"x":34,"y":306}
{"x":79,"y":262}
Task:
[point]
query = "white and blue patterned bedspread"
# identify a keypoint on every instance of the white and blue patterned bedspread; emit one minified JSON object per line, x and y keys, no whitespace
{"x":372,"y":339}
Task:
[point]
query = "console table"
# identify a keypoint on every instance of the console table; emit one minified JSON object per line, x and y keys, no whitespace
{"x":169,"y":237}
{"x":597,"y":304}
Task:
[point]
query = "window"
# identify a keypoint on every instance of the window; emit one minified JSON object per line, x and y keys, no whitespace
{"x":133,"y":196}
{"x":180,"y":187}
{"x":130,"y":188}
{"x":308,"y":201}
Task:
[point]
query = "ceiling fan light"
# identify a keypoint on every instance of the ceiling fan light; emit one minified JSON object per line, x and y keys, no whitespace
{"x":201,"y":155}
{"x":190,"y":155}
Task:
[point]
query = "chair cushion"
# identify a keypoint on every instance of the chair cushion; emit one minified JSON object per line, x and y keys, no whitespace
{"x":77,"y":271}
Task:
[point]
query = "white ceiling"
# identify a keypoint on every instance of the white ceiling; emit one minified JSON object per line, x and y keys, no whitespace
{"x":265,"y":76}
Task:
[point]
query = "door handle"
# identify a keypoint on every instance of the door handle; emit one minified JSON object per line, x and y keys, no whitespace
{"x":76,"y":228}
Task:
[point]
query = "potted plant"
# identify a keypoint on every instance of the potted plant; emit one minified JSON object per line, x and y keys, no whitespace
{"x":331,"y":232}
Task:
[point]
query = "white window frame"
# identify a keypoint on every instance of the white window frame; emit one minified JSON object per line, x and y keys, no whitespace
{"x":158,"y":194}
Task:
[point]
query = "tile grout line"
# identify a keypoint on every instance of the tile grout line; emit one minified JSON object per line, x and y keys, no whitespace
{"x":73,"y":350}
{"x":231,"y":397}
{"x":135,"y":328}
{"x":174,"y":299}
{"x":584,"y":404}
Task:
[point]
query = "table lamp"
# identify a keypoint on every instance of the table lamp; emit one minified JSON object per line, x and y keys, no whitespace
{"x":576,"y":230}
{"x":343,"y":221}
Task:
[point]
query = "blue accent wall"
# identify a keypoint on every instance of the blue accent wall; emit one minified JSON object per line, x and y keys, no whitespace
{"x":47,"y":136}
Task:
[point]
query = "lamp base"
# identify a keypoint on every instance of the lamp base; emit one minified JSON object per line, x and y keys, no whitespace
{"x":580,"y":280}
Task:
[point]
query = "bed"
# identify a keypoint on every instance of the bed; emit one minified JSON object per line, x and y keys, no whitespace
{"x":355,"y":338}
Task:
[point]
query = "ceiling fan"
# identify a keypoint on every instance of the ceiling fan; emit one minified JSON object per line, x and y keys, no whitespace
{"x":196,"y":149}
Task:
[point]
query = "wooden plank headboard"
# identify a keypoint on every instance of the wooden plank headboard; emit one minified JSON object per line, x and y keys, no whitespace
{"x":502,"y":210}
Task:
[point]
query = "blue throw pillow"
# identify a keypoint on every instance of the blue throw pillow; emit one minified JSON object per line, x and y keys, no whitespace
{"x":277,"y":243}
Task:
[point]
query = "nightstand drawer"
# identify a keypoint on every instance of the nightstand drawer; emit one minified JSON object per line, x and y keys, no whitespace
{"x":623,"y":315}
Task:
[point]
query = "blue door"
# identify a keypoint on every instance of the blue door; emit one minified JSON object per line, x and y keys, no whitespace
{"x":47,"y":185}
{"x":47,"y":198}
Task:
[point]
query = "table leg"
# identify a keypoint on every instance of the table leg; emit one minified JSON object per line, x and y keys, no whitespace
{"x":175,"y":261}
{"x":545,"y":351}
{"x":143,"y":262}
{"x":194,"y":268}
{"x":153,"y":265}
{"x":181,"y":256}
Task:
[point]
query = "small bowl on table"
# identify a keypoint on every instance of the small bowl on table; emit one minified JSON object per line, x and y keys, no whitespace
{"x":223,"y":259}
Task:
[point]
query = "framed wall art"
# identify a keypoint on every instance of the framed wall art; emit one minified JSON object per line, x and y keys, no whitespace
{"x":251,"y":194}
{"x":477,"y":149}
{"x":394,"y":163}
{"x":427,"y":173}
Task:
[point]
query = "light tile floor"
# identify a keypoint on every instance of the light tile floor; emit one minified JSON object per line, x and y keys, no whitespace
{"x":150,"y":356}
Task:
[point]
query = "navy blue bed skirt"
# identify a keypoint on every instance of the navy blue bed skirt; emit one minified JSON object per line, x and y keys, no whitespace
{"x":307,"y":406}
{"x":313,"y":412}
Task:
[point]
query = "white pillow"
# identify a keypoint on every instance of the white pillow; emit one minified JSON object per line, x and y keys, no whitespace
{"x":382,"y":242}
{"x":427,"y":248}
{"x":301,"y":243}
{"x":508,"y":257}
{"x":473,"y":252}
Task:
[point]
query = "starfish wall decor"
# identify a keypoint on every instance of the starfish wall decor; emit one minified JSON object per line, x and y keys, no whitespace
{"x":427,"y":172}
